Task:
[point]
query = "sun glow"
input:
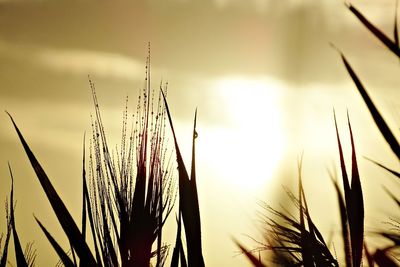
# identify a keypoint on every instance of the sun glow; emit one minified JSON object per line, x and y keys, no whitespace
{"x":249,"y":149}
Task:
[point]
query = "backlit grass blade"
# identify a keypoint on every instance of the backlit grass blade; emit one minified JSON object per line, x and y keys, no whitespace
{"x":188,"y":201}
{"x":345,"y":179}
{"x":345,"y":226}
{"x":375,"y":31}
{"x":60,"y":252}
{"x":395,"y":173}
{"x":356,"y":216}
{"x":178,"y":243}
{"x":354,"y":203}
{"x":379,"y":121}
{"x":253,"y":259}
{"x":64,"y":217}
{"x":395,"y":28}
{"x":19,"y":254}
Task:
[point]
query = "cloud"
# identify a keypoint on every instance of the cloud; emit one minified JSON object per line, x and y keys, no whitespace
{"x":92,"y":63}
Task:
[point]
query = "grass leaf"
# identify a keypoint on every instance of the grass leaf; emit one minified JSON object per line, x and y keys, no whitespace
{"x":395,"y":173}
{"x":356,"y":214}
{"x":375,"y":31}
{"x":379,"y":121}
{"x":345,"y":226}
{"x":4,"y":254}
{"x":19,"y":254}
{"x":60,"y":252}
{"x":188,"y":201}
{"x":253,"y":259}
{"x":64,"y":217}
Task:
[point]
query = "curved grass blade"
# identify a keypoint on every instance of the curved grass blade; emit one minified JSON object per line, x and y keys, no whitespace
{"x":395,"y":173}
{"x":19,"y":254}
{"x":253,"y":259}
{"x":60,"y":252}
{"x":64,"y":217}
{"x":379,"y":121}
{"x":375,"y":31}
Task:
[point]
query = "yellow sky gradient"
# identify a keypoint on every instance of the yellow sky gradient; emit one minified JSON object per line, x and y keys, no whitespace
{"x":261,"y":73}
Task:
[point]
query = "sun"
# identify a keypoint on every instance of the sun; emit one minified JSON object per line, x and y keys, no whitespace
{"x":247,"y":151}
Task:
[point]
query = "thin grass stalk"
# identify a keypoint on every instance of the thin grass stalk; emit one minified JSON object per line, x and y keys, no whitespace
{"x":19,"y":254}
{"x":64,"y":217}
{"x":4,"y":254}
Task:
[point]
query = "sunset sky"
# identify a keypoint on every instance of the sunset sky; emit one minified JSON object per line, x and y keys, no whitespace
{"x":262,"y":74}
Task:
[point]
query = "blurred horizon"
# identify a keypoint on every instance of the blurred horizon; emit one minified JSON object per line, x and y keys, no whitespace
{"x":262,"y":74}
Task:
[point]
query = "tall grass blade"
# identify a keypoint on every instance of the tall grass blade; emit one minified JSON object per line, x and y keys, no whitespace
{"x":345,"y":226}
{"x":345,"y":179}
{"x":392,"y":46}
{"x":60,"y":252}
{"x":379,"y":121}
{"x":188,"y":201}
{"x":395,"y":28}
{"x":356,"y":214}
{"x":353,"y":201}
{"x":178,"y":243}
{"x":19,"y":254}
{"x":64,"y":217}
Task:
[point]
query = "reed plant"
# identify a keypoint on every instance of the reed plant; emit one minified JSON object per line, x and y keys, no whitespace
{"x":127,"y":194}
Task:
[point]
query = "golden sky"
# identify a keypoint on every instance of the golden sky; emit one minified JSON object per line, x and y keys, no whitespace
{"x":261,"y":72}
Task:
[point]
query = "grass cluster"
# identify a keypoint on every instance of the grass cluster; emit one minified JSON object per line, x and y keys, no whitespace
{"x":295,"y":240}
{"x":129,"y":193}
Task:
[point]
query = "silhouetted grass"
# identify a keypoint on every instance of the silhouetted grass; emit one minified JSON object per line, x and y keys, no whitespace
{"x":188,"y":201}
{"x":127,"y":195}
{"x":289,"y":236}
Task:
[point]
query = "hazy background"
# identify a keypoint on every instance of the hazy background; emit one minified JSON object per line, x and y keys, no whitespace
{"x":261,"y":73}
